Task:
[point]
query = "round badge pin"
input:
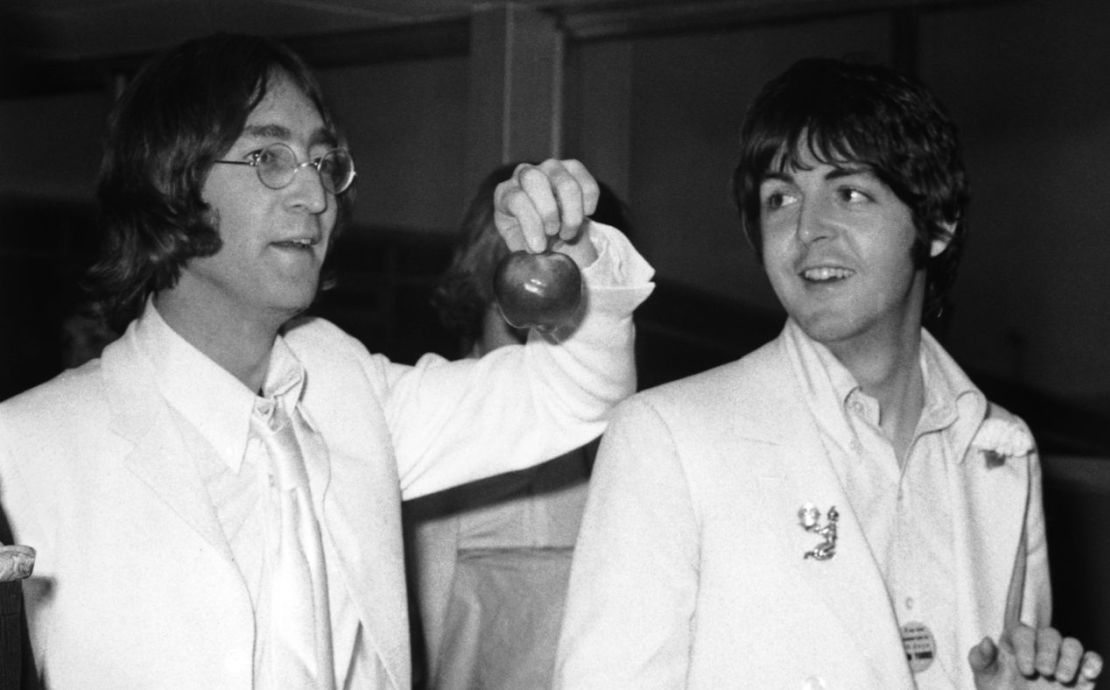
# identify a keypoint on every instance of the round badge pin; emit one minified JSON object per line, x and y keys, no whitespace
{"x":920,"y":646}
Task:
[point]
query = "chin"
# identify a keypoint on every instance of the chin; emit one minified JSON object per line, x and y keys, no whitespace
{"x":295,"y":303}
{"x":826,"y":328}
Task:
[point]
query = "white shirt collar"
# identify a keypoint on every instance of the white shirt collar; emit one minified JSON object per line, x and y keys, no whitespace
{"x":216,"y":403}
{"x":829,"y":386}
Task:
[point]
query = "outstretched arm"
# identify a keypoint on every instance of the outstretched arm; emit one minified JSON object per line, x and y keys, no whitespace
{"x":520,"y":405}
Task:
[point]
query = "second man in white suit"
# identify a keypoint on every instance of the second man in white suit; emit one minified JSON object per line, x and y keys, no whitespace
{"x":842,"y":508}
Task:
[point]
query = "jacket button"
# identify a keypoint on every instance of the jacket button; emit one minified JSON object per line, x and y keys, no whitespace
{"x":814,"y":683}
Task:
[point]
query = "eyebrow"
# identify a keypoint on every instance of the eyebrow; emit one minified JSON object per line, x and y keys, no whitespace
{"x":283,"y":133}
{"x":837,"y":172}
{"x":776,"y":175}
{"x":849,"y":170}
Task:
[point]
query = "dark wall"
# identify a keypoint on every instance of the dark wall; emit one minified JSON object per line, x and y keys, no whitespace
{"x":1026,"y":81}
{"x":44,"y":249}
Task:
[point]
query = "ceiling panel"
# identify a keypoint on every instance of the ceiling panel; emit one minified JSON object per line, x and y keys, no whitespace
{"x":69,"y":30}
{"x":65,"y":30}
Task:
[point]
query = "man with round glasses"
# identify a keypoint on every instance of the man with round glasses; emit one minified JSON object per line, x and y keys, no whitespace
{"x":216,"y":501}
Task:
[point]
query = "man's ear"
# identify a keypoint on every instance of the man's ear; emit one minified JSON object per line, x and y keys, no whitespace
{"x":941,"y":243}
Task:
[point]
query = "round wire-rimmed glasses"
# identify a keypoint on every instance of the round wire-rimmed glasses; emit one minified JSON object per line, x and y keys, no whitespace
{"x":277,"y":165}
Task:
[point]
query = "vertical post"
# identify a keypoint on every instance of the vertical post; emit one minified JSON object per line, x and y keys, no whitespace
{"x":598,"y":112}
{"x":516,"y":88}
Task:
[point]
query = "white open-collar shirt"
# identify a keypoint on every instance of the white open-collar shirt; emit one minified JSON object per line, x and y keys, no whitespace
{"x":905,"y":511}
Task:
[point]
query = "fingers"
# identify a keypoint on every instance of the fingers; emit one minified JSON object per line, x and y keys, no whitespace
{"x":1089,"y":671}
{"x":516,"y":218}
{"x":552,"y":199}
{"x":1046,"y":653}
{"x":1075,"y":665}
{"x":983,"y":658}
{"x":588,"y":193}
{"x":1067,"y":664}
{"x":1036,"y":649}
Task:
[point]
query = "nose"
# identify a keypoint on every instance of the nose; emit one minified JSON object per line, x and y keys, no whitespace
{"x":814,"y":222}
{"x":306,"y":191}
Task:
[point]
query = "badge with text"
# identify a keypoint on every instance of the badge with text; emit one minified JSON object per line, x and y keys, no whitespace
{"x":809,"y":516}
{"x":920,"y":646}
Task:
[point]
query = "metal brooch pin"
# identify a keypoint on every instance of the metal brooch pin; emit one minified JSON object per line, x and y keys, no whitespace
{"x":810,"y":519}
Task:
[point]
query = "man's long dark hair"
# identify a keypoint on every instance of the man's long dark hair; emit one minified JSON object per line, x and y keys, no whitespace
{"x":180,"y":113}
{"x":864,"y":114}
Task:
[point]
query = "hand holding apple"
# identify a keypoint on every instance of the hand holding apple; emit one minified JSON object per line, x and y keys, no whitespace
{"x":543,"y":203}
{"x":539,"y":207}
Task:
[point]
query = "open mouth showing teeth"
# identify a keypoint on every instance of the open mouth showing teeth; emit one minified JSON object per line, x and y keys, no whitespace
{"x":823,"y":274}
{"x":296,"y":244}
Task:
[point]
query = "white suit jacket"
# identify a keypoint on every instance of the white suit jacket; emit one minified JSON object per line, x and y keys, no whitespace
{"x":135,"y":587}
{"x":689,"y":568}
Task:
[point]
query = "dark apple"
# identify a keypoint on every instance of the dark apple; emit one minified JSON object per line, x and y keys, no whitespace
{"x":542,"y":291}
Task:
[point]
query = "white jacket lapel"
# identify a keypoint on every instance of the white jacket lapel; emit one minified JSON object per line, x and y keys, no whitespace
{"x":365,"y":534}
{"x":849,"y":583}
{"x":797,"y":471}
{"x":361,"y":509}
{"x":159,"y":457}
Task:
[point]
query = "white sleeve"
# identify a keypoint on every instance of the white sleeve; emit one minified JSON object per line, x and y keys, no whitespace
{"x":455,"y":422}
